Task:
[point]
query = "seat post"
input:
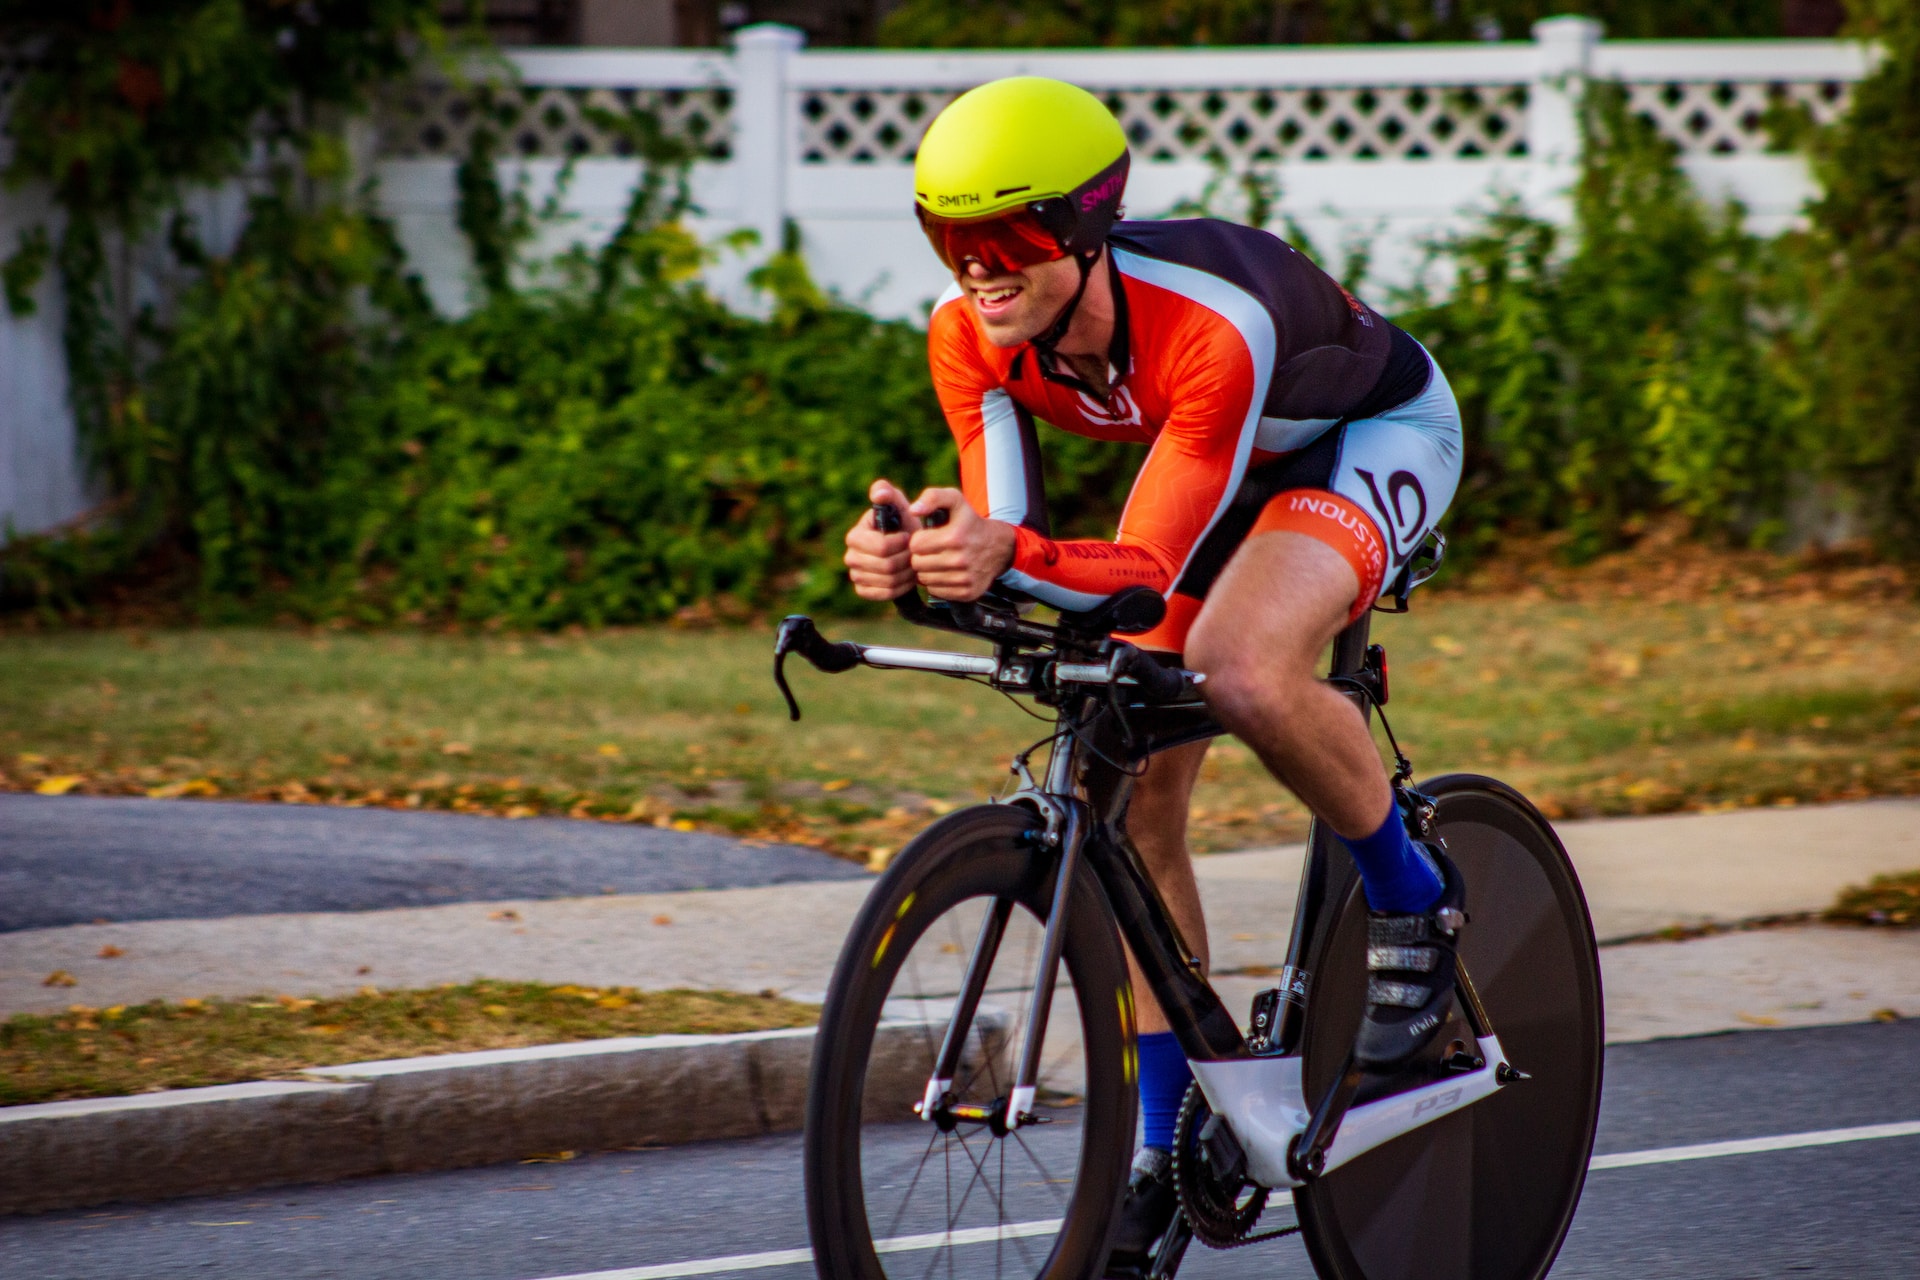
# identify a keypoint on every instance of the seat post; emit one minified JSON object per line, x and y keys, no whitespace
{"x":1350,"y":647}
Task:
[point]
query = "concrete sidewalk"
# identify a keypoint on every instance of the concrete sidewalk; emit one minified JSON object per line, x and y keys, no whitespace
{"x":1641,"y":875}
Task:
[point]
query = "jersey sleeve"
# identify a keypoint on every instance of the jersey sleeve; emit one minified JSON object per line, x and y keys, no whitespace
{"x":1190,"y":476}
{"x":999,"y":452}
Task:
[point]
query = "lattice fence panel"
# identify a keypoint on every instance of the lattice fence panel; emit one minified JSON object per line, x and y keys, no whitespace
{"x":550,"y":121}
{"x":1730,"y":118}
{"x":1409,"y":122}
{"x":866,"y":126}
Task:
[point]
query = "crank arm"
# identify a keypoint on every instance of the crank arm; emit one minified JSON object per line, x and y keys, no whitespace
{"x":1307,"y":1154}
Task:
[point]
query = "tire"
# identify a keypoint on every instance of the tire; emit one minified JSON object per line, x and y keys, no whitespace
{"x":965,"y":1202}
{"x":1490,"y":1191}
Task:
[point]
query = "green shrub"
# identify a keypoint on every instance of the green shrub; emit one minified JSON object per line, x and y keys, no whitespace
{"x":1865,"y":274}
{"x":1644,"y":359}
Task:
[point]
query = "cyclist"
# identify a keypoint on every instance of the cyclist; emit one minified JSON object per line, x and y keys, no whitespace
{"x":1299,"y":448}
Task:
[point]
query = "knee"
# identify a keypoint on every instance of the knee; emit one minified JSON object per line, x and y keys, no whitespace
{"x":1245,"y":685}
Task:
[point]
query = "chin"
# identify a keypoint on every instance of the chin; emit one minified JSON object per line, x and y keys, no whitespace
{"x":1008,"y":331}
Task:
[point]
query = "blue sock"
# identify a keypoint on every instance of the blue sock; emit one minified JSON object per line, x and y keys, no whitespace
{"x":1395,"y":875}
{"x":1164,"y":1077}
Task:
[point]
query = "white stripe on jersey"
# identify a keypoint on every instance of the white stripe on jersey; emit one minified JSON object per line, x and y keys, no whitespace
{"x":1006,"y":458}
{"x":1244,"y":312}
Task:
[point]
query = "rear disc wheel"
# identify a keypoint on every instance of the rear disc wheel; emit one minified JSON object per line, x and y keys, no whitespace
{"x":1488,"y":1192}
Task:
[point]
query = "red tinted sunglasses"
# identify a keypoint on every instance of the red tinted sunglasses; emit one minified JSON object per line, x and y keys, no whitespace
{"x":1002,"y":244}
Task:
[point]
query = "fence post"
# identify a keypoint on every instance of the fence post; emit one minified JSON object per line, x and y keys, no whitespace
{"x":762,"y":125}
{"x":1563,"y":56}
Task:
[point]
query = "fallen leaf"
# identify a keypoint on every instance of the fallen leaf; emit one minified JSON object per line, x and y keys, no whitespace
{"x":59,"y":784}
{"x":1886,"y":1015}
{"x":550,"y":1157}
{"x":59,"y":978}
{"x":110,"y":952}
{"x":683,"y":824}
{"x":507,"y":914}
{"x":326,"y":1029}
{"x":836,"y":784}
{"x":608,"y":748}
{"x":34,"y":757}
{"x":521,"y":811}
{"x":1758,"y":1019}
{"x":878,"y":859}
{"x":363,"y":969}
{"x":611,"y":1002}
{"x":663,"y":919}
{"x":456,"y":749}
{"x":1448,"y":645}
{"x":494,"y":1010}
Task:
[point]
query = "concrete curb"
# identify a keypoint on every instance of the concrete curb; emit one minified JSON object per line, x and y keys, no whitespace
{"x":421,"y":1113}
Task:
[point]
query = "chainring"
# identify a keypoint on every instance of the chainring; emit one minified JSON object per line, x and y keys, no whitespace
{"x":1214,"y":1209}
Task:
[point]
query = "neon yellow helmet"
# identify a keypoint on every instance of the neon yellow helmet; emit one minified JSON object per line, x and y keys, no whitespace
{"x":1023,"y":145}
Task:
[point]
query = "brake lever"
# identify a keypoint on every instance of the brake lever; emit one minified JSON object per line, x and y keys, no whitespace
{"x":797,"y":634}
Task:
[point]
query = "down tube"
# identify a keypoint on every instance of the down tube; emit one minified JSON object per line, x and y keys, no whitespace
{"x":1206,"y":1031}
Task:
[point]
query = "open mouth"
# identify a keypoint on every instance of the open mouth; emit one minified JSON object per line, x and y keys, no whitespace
{"x":996,"y":301}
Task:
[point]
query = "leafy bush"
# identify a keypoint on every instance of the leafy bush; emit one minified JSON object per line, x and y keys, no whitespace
{"x":569,"y":455}
{"x":1865,"y":274}
{"x":1642,"y":359}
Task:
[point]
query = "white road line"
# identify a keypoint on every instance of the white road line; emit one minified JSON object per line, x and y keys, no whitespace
{"x":788,"y":1257}
{"x":1021,"y":1230}
{"x":1747,"y":1146}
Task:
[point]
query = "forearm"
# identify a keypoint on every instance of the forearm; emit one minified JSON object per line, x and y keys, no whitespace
{"x":1086,"y":566}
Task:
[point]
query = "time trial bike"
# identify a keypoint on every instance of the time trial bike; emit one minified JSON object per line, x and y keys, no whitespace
{"x":972,"y":1103}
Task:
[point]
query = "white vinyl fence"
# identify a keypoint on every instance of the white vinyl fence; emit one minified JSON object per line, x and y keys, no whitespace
{"x":1377,"y":145}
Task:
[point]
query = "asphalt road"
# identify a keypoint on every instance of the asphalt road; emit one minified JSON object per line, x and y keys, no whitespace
{"x":1850,"y":1210}
{"x":74,"y":859}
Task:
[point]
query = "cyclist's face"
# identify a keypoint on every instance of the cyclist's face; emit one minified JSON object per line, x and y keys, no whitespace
{"x":1016,"y":306}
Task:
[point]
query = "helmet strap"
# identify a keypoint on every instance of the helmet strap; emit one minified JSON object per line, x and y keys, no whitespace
{"x":1045,"y":342}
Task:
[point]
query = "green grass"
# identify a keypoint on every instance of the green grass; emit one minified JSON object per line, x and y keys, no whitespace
{"x":96,"y":1053}
{"x":1596,"y":705}
{"x":1885,"y":900}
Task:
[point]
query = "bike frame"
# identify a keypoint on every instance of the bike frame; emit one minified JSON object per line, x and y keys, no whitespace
{"x":1288,"y":1136}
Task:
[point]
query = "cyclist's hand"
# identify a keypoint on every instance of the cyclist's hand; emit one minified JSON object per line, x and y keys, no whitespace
{"x":877,"y":562}
{"x":961,"y":559}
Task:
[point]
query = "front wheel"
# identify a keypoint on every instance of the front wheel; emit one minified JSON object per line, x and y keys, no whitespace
{"x":1488,"y":1192}
{"x":892,"y":1195}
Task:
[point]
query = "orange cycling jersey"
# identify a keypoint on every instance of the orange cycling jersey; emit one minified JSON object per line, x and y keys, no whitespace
{"x":1231,"y":349}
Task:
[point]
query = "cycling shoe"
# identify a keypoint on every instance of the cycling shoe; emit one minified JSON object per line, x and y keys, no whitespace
{"x":1144,"y":1215}
{"x":1410,"y":973}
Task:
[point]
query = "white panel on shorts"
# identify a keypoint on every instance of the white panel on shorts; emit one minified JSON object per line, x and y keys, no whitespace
{"x":1403,"y":467}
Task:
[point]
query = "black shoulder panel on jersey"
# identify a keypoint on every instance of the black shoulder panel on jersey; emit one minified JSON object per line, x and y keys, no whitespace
{"x":1330,"y":348}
